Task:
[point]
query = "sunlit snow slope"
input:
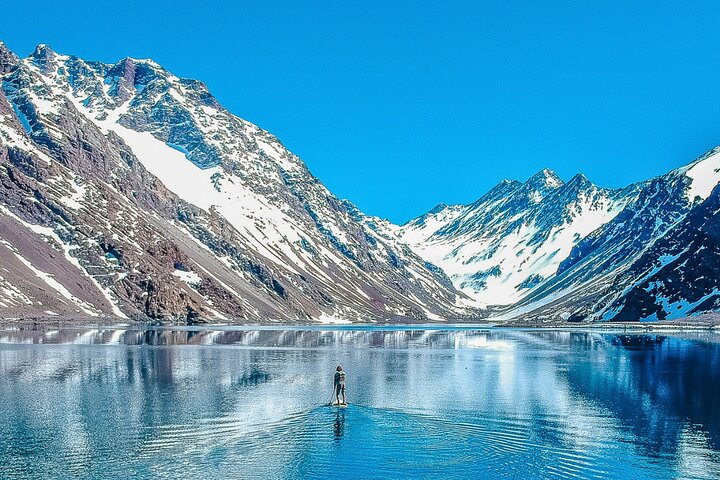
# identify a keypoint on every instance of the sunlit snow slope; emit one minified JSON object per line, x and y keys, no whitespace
{"x":500,"y":247}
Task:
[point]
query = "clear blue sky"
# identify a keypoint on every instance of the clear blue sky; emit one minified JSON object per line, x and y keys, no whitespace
{"x":398,"y":105}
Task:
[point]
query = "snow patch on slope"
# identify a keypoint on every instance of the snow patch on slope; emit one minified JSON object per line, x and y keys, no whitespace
{"x":57,"y":286}
{"x":191,"y":278}
{"x":704,"y":175}
{"x":49,"y":232}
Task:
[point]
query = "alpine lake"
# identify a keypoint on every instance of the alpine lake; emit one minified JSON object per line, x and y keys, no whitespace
{"x":424,"y":402}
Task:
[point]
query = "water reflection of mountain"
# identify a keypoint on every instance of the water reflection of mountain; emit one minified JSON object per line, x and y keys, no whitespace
{"x":637,"y":341}
{"x":248,"y":338}
{"x":658,"y":387}
{"x":520,"y":403}
{"x":253,"y":377}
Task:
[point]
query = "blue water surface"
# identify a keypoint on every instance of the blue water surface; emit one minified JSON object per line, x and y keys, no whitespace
{"x":456,"y":403}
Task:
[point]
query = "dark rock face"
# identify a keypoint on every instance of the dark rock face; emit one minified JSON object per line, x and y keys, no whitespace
{"x":678,"y":275}
{"x":8,"y":59}
{"x":660,"y":203}
{"x":89,"y":162}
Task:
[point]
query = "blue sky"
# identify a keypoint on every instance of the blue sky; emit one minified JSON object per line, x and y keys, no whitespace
{"x":398,"y":105}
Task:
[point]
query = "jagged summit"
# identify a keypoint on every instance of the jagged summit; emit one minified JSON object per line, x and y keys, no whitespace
{"x":44,"y":53}
{"x":579,"y":181}
{"x":438,"y":208}
{"x":545,"y":178}
{"x":44,"y":57}
{"x":501,"y":187}
{"x":710,"y":153}
{"x":8,"y":59}
{"x":43,"y":50}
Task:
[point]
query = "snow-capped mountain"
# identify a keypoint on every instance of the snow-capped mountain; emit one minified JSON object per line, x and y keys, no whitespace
{"x":500,"y":247}
{"x":550,"y":250}
{"x":591,"y":284}
{"x":127,"y":191}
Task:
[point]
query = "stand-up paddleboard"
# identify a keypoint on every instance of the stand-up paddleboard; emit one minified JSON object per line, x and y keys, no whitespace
{"x":338,"y":405}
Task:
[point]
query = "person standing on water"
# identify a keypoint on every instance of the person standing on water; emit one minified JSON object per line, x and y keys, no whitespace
{"x":339,"y":385}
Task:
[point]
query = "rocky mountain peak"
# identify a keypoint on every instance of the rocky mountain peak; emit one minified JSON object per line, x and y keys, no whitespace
{"x":8,"y":59}
{"x":44,"y":52}
{"x":124,"y":73}
{"x":124,"y":68}
{"x":540,"y":185}
{"x":438,"y":208}
{"x":579,"y":182}
{"x":502,"y":189}
{"x":44,"y":57}
{"x":544,"y":179}
{"x":505,"y":185}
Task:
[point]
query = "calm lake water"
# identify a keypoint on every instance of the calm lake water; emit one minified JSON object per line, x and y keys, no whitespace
{"x":461,"y":403}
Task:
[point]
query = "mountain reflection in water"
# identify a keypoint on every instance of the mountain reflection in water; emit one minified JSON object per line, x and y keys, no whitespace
{"x":459,"y":403}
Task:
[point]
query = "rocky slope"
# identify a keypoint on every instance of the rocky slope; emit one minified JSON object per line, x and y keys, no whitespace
{"x":679,"y":274}
{"x":126,"y":191}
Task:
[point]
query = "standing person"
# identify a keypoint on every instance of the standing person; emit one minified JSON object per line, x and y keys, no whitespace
{"x":339,"y":385}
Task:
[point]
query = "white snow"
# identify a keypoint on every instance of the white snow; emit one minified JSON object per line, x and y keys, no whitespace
{"x":273,"y":152}
{"x":249,"y":213}
{"x":704,"y":176}
{"x":43,"y":105}
{"x":191,"y":278}
{"x":57,"y":286}
{"x":13,"y":295}
{"x":75,"y":197}
{"x":516,"y":259}
{"x":328,"y":319}
{"x":11,"y":137}
{"x":414,"y":233}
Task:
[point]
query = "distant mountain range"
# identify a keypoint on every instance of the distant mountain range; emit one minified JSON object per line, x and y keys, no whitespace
{"x":546,"y":249}
{"x":128,"y":192}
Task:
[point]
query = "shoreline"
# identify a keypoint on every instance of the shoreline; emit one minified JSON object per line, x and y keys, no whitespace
{"x":710,"y":323}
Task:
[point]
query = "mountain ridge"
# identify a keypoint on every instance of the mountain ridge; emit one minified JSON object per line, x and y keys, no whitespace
{"x":203,"y":215}
{"x":634,"y":218}
{"x":129,"y":192}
